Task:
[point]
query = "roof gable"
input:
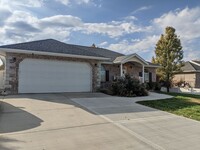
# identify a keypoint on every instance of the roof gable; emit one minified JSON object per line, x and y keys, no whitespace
{"x":132,"y":57}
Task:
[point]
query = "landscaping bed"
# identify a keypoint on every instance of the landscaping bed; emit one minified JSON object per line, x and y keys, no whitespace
{"x":187,"y":105}
{"x":126,"y":87}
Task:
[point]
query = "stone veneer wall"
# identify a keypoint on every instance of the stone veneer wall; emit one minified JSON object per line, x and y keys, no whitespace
{"x":12,"y":65}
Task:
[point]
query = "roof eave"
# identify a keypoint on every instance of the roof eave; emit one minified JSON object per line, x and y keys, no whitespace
{"x":152,"y":66}
{"x":194,"y":63}
{"x":8,"y":50}
{"x":188,"y":71}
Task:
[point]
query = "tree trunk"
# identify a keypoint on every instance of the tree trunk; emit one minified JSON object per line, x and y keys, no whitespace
{"x":167,"y":89}
{"x":168,"y":83}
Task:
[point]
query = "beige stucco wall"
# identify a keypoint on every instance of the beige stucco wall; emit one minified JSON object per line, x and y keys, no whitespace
{"x":187,"y":77}
{"x":11,"y":70}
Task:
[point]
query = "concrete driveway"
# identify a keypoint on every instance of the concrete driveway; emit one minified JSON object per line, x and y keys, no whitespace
{"x":91,"y":121}
{"x":159,"y":129}
{"x":54,"y":122}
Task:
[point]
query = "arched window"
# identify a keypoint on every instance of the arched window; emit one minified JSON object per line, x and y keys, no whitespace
{"x":103,"y":74}
{"x":2,"y":64}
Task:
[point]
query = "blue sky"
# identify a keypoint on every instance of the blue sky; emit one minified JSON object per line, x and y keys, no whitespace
{"x":125,"y":26}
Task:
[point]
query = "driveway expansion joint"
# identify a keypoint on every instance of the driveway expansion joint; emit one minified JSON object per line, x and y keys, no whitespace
{"x":141,"y":138}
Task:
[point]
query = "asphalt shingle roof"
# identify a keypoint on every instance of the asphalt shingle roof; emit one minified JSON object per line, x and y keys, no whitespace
{"x":103,"y":52}
{"x":54,"y":46}
{"x":152,"y":64}
{"x":189,"y":66}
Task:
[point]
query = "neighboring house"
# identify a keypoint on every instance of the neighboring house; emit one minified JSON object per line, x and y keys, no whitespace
{"x":51,"y":66}
{"x":190,"y":74}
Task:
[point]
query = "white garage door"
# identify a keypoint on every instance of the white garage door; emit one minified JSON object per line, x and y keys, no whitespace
{"x":44,"y":76}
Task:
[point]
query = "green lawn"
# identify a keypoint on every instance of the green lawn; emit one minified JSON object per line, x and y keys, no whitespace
{"x":186,"y":105}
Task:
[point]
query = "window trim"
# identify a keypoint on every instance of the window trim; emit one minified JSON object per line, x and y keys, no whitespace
{"x":103,"y":74}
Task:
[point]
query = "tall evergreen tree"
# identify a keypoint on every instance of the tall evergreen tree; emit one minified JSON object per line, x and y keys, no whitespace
{"x":169,"y":55}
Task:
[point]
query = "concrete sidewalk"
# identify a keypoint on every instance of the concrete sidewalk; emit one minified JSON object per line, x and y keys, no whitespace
{"x":159,"y":129}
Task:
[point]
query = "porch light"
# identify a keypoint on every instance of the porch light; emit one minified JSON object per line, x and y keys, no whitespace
{"x":13,"y":60}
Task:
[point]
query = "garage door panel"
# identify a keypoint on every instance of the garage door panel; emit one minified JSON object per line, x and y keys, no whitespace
{"x":43,"y":76}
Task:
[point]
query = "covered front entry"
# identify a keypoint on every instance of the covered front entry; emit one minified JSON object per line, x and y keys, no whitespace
{"x":131,"y":58}
{"x":45,"y":76}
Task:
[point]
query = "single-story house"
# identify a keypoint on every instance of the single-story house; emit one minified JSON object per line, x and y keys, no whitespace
{"x":52,"y":66}
{"x":190,"y":74}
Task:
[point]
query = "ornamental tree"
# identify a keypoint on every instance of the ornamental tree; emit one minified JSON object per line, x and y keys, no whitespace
{"x":169,"y":54}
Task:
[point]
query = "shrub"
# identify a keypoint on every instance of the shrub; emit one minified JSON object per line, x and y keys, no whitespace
{"x":106,"y":91}
{"x":129,"y":87}
{"x":182,"y":83}
{"x":155,"y":86}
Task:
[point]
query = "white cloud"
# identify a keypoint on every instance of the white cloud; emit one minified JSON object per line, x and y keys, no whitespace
{"x":23,"y":26}
{"x":19,"y":22}
{"x":58,"y":33}
{"x":82,"y":1}
{"x":22,"y":16}
{"x":26,"y":3}
{"x":187,"y":23}
{"x":143,"y":8}
{"x":4,"y":14}
{"x":61,"y":20}
{"x":130,"y":18}
{"x":67,"y":2}
{"x":103,"y":44}
{"x":113,"y":29}
{"x":18,"y":25}
{"x":137,"y":45}
{"x":64,"y":2}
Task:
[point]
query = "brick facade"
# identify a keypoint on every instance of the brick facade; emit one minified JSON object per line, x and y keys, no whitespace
{"x":197,"y":84}
{"x":12,"y":65}
{"x":114,"y":70}
{"x":133,"y":70}
{"x":13,"y":61}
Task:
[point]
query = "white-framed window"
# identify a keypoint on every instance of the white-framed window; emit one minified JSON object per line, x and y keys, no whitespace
{"x":146,"y":77}
{"x":103,"y":74}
